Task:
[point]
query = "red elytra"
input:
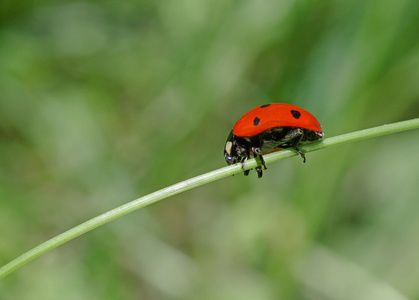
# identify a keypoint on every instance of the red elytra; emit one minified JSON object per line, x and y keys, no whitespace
{"x":268,"y":128}
{"x":274,"y":115}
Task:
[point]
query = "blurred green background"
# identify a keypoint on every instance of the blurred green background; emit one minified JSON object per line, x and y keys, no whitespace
{"x":102,"y":102}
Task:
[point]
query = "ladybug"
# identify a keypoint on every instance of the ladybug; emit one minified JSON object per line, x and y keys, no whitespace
{"x":268,"y":128}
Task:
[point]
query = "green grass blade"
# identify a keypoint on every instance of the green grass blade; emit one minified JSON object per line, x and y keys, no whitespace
{"x":195,"y":182}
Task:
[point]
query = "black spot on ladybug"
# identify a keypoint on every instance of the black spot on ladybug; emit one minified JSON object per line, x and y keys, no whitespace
{"x":256,"y":121}
{"x":265,"y":105}
{"x":296,"y":114}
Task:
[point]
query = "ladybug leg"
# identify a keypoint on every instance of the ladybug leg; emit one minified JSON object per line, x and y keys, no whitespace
{"x":246,"y":172}
{"x":295,"y":136}
{"x":262,"y":161}
{"x":301,"y":154}
{"x":256,"y":153}
{"x":259,"y":168}
{"x":242,"y":161}
{"x":259,"y":171}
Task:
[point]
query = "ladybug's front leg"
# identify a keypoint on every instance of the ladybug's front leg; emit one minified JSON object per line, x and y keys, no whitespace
{"x":245,"y":154}
{"x":294,"y":137}
{"x":245,"y":172}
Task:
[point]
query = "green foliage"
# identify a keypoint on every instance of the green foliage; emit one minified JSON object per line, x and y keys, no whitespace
{"x":104,"y":101}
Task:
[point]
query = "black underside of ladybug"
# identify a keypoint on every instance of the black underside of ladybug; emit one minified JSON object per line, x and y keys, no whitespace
{"x":239,"y":149}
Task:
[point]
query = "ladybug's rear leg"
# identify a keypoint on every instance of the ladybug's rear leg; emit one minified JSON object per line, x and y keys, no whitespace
{"x":301,"y":154}
{"x":295,"y":136}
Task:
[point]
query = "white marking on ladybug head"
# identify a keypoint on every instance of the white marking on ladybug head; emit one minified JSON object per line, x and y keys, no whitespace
{"x":229,"y":145}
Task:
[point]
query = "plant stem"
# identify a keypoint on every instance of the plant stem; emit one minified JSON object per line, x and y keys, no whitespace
{"x":195,"y":182}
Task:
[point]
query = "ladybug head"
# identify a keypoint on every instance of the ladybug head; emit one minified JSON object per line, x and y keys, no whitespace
{"x":232,"y":151}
